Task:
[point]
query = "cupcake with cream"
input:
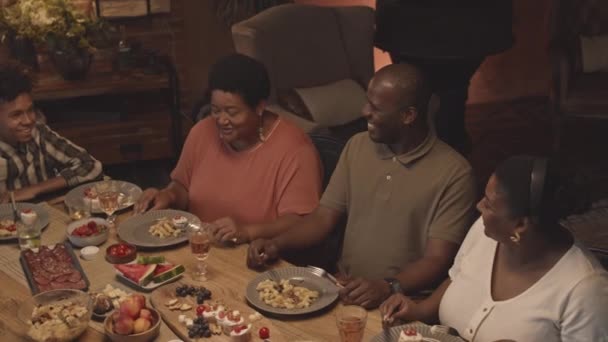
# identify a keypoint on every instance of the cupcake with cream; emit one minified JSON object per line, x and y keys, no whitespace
{"x":241,"y":333}
{"x":210,"y":312}
{"x":91,"y":199}
{"x":28,"y":216}
{"x":230,"y":320}
{"x":179,"y":221}
{"x":410,"y":335}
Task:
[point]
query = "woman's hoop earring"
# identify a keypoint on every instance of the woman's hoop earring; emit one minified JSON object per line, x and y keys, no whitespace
{"x":515,"y":238}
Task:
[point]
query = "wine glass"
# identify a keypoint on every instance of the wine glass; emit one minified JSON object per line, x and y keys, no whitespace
{"x":108,"y":194}
{"x":200,"y":244}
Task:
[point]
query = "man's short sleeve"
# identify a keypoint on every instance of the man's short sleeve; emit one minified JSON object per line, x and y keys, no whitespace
{"x":454,"y":213}
{"x":336,"y":194}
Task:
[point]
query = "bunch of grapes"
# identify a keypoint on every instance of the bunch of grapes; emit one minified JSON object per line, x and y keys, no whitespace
{"x":200,"y":328}
{"x":201,"y":293}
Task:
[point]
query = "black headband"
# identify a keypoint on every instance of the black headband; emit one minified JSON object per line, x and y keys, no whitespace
{"x":537,"y":184}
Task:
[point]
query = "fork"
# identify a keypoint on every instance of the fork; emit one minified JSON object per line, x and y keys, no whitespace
{"x":319,"y":272}
{"x":274,"y":275}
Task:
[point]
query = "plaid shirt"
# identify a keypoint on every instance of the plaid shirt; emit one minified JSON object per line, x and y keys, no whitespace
{"x":47,"y":155}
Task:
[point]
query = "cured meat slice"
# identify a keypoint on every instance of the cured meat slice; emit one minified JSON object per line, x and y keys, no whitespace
{"x":61,"y":278}
{"x":75,"y":277}
{"x":41,"y":280}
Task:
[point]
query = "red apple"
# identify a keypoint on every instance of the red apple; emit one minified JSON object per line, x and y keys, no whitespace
{"x":129,"y":308}
{"x":115,"y":315}
{"x":140,"y":325}
{"x":145,"y":313}
{"x":124,"y":325}
{"x":140,"y":299}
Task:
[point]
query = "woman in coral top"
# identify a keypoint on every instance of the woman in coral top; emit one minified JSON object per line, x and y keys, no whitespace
{"x":243,"y":168}
{"x":519,"y":275}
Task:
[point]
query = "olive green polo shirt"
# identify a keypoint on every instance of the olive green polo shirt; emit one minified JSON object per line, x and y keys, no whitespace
{"x":395,"y":203}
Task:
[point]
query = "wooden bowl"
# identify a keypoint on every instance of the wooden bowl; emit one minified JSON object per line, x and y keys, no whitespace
{"x":146,"y":336}
{"x":114,"y":259}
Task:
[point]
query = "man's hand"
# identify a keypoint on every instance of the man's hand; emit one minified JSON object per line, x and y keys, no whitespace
{"x":152,"y":199}
{"x":364,"y":292}
{"x":227,"y":229}
{"x":261,"y":252}
{"x":398,"y":306}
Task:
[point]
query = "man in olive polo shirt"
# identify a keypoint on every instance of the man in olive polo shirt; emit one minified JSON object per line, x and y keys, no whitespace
{"x":409,"y":198}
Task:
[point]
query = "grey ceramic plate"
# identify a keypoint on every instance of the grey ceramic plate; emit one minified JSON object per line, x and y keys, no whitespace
{"x":328,"y":292}
{"x":134,"y":230}
{"x":423,"y":329}
{"x":6,"y":212}
{"x":130,"y":191}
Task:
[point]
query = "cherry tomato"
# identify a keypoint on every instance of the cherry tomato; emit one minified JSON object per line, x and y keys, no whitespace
{"x":199,"y":310}
{"x":264,"y":333}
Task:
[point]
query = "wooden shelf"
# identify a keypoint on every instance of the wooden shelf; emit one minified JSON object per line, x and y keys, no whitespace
{"x":52,"y":86}
{"x":122,"y":141}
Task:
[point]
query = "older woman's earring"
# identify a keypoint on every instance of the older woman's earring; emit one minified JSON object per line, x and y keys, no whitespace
{"x":515,"y":237}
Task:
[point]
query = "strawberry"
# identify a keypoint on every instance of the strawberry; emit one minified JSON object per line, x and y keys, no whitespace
{"x":410,"y":332}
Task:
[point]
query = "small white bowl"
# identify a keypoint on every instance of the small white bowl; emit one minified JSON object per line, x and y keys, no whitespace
{"x":89,"y":252}
{"x":94,"y":240}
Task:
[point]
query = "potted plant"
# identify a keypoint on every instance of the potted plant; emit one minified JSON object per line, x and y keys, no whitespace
{"x":68,"y":34}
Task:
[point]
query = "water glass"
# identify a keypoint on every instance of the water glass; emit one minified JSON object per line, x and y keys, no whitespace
{"x":351,"y":320}
{"x":29,"y":236}
{"x":199,"y":237}
{"x":79,"y":210}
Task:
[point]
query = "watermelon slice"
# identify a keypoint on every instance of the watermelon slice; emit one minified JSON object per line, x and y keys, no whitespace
{"x":148,"y":259}
{"x":167,"y":272}
{"x":140,"y":274}
{"x":161,"y":268}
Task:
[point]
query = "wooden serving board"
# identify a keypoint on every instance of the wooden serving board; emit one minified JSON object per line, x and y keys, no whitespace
{"x":226,"y":296}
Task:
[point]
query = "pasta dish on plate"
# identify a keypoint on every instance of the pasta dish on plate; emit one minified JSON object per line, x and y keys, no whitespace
{"x":285,"y":294}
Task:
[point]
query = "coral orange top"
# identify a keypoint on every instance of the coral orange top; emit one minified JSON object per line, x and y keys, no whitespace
{"x":279,"y":176}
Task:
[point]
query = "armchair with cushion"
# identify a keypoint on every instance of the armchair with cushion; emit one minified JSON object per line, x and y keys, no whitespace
{"x":578,"y":89}
{"x":319,"y":60}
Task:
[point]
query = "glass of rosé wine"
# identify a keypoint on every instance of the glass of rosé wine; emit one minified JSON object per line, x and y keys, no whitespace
{"x":200,"y":240}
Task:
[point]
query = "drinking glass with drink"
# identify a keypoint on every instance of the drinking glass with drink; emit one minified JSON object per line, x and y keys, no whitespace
{"x":108,"y":194}
{"x":351,"y":320}
{"x":28,"y":235}
{"x":200,"y":244}
{"x":79,"y":210}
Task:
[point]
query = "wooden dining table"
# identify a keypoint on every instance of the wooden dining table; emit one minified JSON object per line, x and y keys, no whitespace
{"x":226,"y":270}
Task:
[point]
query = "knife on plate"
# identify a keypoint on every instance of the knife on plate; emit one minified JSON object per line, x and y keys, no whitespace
{"x":16,"y":217}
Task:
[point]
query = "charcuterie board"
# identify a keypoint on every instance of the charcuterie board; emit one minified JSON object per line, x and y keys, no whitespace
{"x":164,"y":295}
{"x":53,"y":267}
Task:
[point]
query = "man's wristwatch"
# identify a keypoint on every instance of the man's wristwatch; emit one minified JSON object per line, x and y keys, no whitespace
{"x":394,"y":284}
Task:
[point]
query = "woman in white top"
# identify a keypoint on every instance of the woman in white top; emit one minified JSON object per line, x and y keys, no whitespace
{"x":518,"y":275}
